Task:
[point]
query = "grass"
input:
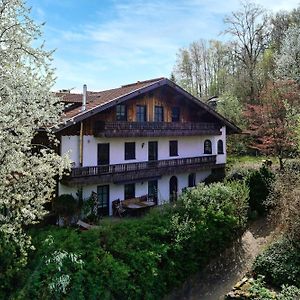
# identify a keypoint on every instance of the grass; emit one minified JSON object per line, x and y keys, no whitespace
{"x":247,"y":161}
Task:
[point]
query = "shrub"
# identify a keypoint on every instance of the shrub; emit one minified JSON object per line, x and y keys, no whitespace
{"x":260,"y":185}
{"x":285,"y":201}
{"x":238,"y":173}
{"x":280,"y":264}
{"x":259,"y":291}
{"x":65,"y":206}
{"x":217,"y":175}
{"x":289,"y":293}
{"x":12,"y":262}
{"x":137,"y":258}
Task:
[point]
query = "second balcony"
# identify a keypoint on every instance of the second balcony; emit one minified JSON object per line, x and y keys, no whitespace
{"x":154,"y":129}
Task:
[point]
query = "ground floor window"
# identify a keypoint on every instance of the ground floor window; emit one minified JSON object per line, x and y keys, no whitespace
{"x":152,"y":190}
{"x":173,"y":185}
{"x":103,"y":200}
{"x":129,"y":191}
{"x":192,"y":179}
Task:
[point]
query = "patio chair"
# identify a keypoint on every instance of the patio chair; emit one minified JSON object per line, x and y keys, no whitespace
{"x":118,"y":209}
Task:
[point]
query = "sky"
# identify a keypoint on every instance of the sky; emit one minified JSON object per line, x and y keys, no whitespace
{"x":108,"y":43}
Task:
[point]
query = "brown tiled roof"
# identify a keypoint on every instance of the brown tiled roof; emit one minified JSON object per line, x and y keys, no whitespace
{"x":96,"y":99}
{"x":71,"y":97}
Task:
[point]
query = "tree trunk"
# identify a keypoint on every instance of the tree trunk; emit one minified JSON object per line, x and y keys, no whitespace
{"x":281,"y":164}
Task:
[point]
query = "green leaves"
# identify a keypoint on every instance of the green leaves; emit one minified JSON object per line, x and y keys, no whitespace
{"x":136,"y":258}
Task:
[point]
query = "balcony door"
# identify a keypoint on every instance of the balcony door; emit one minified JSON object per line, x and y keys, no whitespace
{"x":152,"y":151}
{"x":103,"y":156}
{"x":103,"y":200}
{"x":152,"y":154}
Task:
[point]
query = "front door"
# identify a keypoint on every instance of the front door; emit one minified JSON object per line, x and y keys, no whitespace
{"x":103,"y":200}
{"x":103,"y":156}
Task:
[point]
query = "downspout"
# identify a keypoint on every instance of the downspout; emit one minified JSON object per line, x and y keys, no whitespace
{"x":83,"y":108}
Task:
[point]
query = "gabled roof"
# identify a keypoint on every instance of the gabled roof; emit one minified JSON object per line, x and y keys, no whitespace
{"x":100,"y":101}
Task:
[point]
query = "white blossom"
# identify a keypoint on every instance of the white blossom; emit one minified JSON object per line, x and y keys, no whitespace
{"x":27,"y":172}
{"x":288,"y":60}
{"x":61,"y":280}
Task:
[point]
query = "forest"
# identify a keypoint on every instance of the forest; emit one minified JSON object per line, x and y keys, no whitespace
{"x":251,"y":76}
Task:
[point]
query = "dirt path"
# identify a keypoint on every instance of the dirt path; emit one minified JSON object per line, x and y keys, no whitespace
{"x":220,"y":276}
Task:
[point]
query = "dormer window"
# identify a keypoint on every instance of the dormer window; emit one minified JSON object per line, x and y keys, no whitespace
{"x":121,"y":112}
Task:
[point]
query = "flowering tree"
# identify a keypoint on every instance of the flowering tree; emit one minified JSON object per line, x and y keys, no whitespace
{"x":27,"y":171}
{"x":288,"y":60}
{"x":270,"y":123}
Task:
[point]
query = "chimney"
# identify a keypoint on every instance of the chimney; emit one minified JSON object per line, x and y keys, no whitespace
{"x":84,"y":98}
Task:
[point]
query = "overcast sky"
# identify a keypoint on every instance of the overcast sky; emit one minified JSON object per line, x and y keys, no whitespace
{"x":107,"y":43}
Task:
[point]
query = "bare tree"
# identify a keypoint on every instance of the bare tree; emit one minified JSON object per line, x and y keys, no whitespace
{"x":249,"y":27}
{"x":203,"y":68}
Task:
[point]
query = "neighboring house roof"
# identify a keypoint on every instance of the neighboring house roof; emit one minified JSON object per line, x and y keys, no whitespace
{"x":100,"y":101}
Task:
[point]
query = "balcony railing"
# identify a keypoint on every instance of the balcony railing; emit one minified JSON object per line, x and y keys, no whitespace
{"x":141,"y":170}
{"x":132,"y":172}
{"x":125,"y":129}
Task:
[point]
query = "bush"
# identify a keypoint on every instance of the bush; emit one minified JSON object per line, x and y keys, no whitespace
{"x":285,"y":202}
{"x":259,"y":291}
{"x":260,"y":185}
{"x":137,"y":258}
{"x":65,"y":206}
{"x":238,"y":173}
{"x":289,"y":293}
{"x":280,"y":264}
{"x":12,"y":262}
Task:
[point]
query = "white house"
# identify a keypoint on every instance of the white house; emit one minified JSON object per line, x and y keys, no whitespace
{"x":147,"y":138}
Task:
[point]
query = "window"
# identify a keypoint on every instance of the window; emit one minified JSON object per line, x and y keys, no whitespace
{"x":173,"y":147}
{"x":175,"y":114}
{"x":192,"y":179}
{"x":207,"y":147}
{"x":103,"y":200}
{"x":152,"y":190}
{"x":141,"y":113}
{"x":129,"y":191}
{"x":158,"y":114}
{"x":173,"y":187}
{"x":130,"y":150}
{"x":220,"y":147}
{"x":121,"y":112}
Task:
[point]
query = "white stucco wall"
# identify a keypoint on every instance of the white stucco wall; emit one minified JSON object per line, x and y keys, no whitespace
{"x":187,"y":147}
{"x":70,"y":145}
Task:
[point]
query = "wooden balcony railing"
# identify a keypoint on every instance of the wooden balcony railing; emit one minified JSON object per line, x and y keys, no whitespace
{"x":125,"y":129}
{"x":142,"y":170}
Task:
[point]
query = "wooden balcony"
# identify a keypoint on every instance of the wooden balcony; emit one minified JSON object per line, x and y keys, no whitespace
{"x":122,"y":173}
{"x":152,"y":129}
